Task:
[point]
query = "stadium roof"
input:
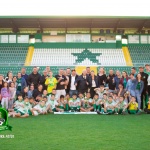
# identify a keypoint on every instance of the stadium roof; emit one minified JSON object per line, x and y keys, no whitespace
{"x":75,"y":22}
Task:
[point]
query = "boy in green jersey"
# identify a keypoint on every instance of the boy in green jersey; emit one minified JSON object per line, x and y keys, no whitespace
{"x":87,"y":103}
{"x":74,"y":103}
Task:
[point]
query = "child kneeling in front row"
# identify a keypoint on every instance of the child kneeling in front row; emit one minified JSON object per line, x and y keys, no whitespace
{"x":133,"y":106}
{"x":39,"y":109}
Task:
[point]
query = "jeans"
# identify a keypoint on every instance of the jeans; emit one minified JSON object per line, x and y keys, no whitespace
{"x":138,"y":97}
{"x":4,"y":102}
{"x":71,"y":92}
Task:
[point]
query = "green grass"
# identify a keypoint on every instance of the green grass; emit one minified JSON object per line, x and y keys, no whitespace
{"x":79,"y":132}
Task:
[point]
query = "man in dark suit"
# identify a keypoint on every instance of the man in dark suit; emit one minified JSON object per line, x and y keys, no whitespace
{"x":144,"y":79}
{"x":82,"y":82}
{"x":71,"y":88}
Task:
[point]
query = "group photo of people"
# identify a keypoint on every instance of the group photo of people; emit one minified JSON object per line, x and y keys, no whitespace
{"x":36,"y":94}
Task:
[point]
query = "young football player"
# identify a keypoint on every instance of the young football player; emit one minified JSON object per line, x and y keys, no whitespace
{"x":147,"y":110}
{"x":87,"y":103}
{"x":25,"y":109}
{"x":53,"y":104}
{"x":96,"y":103}
{"x":109,"y":106}
{"x":100,"y":91}
{"x":121,"y":106}
{"x":102,"y":102}
{"x":54,"y":93}
{"x":39,"y":109}
{"x":62,"y":103}
{"x":133,"y":106}
{"x":74,"y":103}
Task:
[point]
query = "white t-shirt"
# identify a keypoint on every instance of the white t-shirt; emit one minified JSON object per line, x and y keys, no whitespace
{"x":53,"y":103}
{"x":74,"y":103}
{"x":93,"y":83}
{"x":72,"y":87}
{"x":110,"y":104}
{"x":148,"y":80}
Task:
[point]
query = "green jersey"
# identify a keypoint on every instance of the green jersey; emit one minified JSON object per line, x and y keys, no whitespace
{"x":19,"y":84}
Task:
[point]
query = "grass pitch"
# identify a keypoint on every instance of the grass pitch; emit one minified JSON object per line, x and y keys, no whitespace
{"x":78,"y":132}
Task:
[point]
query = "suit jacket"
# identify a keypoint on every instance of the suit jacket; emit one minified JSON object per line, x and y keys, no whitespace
{"x":95,"y":79}
{"x":81,"y":82}
{"x":69,"y":84}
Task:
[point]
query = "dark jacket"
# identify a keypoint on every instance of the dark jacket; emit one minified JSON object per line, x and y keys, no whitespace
{"x":82,"y":83}
{"x":69,"y":84}
{"x":117,"y":81}
{"x":95,"y":79}
{"x":35,"y":79}
{"x":42,"y":81}
{"x":36,"y":92}
{"x":101,"y":79}
{"x":110,"y":82}
{"x":25,"y":76}
{"x":144,"y":79}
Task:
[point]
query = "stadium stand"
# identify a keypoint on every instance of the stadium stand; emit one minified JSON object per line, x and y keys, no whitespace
{"x":13,"y":53}
{"x":80,"y":56}
{"x":139,"y":53}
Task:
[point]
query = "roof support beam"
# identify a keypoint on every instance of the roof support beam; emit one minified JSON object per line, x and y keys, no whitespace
{"x":141,"y":26}
{"x":117,"y":24}
{"x":39,"y":25}
{"x":14,"y":26}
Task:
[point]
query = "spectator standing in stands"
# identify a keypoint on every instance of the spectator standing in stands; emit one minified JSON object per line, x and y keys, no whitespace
{"x":101,"y":77}
{"x":144,"y":79}
{"x":111,"y":81}
{"x":93,"y":83}
{"x":61,"y":79}
{"x":133,"y":71}
{"x":88,"y":70}
{"x":43,"y":79}
{"x":24,"y":75}
{"x":34,"y":78}
{"x":71,"y":85}
{"x":117,"y":79}
{"x":124,"y":79}
{"x":82,"y":82}
{"x":21,"y":83}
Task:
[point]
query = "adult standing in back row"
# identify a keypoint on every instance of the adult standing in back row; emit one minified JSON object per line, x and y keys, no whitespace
{"x":111,"y":81}
{"x":61,"y":82}
{"x":82,"y":82}
{"x":101,"y":77}
{"x":144,"y":77}
{"x":34,"y":78}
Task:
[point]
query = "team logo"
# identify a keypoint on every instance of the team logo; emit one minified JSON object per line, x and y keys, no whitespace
{"x":4,"y":120}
